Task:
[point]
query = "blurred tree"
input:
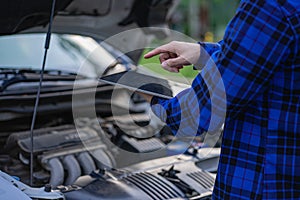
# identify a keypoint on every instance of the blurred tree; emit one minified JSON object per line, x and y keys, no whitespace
{"x":204,"y":19}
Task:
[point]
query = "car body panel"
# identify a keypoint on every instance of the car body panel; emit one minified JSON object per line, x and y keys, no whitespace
{"x":96,"y":18}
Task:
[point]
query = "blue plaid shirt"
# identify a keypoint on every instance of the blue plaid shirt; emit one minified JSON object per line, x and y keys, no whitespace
{"x":259,"y":63}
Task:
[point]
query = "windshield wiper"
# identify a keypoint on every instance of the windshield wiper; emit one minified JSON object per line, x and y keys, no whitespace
{"x":10,"y":76}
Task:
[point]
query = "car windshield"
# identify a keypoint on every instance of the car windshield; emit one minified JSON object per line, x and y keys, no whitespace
{"x":66,"y":53}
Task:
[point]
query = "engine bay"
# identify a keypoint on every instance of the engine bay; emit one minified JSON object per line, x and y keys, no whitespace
{"x":85,"y":162}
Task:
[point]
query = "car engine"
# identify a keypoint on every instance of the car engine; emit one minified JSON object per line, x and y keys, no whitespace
{"x":128,"y":154}
{"x":85,"y":162}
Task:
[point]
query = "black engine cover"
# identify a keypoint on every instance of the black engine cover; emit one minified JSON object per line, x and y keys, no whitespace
{"x":175,"y":179}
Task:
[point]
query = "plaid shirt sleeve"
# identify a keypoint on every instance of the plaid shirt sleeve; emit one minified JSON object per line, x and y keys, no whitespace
{"x":246,"y":60}
{"x":258,"y":62}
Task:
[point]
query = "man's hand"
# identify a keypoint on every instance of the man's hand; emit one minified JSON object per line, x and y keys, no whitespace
{"x":175,"y":55}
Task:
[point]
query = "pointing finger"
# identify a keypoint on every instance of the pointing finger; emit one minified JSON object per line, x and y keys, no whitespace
{"x":167,"y":48}
{"x":154,"y":52}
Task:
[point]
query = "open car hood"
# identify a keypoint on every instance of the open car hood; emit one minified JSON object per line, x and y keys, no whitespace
{"x":95,"y":16}
{"x":99,"y":19}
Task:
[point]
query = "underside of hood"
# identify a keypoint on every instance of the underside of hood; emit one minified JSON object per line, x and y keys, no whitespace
{"x":105,"y":17}
{"x":18,"y":15}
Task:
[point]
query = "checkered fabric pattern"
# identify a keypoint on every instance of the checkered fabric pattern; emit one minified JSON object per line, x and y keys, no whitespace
{"x":259,"y":62}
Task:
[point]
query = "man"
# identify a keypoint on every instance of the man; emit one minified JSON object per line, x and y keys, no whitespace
{"x":259,"y":64}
